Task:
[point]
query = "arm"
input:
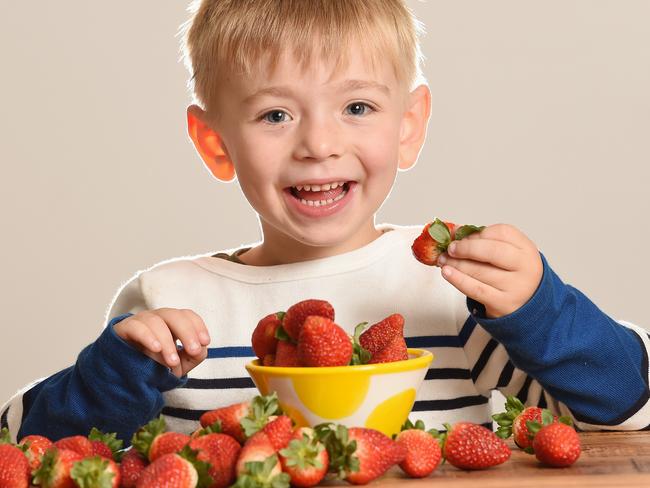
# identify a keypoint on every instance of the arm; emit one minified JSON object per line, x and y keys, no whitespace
{"x":112,"y":386}
{"x":555,"y":347}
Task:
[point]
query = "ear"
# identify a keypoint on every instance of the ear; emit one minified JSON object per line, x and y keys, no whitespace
{"x":209,"y":145}
{"x":414,"y":126}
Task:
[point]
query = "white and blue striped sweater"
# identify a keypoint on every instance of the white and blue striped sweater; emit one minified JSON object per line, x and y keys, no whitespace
{"x":559,"y":350}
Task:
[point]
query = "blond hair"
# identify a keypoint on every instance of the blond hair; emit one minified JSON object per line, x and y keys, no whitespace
{"x":225,"y":36}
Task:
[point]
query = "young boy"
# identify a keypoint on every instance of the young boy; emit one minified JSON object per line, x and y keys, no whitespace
{"x":313,"y":107}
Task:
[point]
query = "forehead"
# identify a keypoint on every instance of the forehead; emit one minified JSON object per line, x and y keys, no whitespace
{"x":355,"y":69}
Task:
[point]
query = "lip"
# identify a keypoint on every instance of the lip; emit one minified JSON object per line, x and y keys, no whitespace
{"x":322,"y":181}
{"x":324,"y":210}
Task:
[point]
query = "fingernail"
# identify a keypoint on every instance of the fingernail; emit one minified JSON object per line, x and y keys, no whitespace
{"x":204,"y":337}
{"x":452,"y":248}
{"x":446,"y":271}
{"x":156,"y":345}
{"x":442,"y":259}
{"x":173,"y":358}
{"x":193,"y":346}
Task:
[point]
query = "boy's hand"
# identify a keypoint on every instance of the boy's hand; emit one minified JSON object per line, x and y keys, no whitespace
{"x":498,"y":267}
{"x":154,"y":332}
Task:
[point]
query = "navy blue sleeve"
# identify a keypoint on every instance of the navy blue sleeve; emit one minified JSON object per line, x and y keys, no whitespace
{"x":112,"y":386}
{"x":597,"y":367}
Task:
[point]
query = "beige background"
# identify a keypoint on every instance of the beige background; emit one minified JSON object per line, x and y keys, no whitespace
{"x":541,"y":118}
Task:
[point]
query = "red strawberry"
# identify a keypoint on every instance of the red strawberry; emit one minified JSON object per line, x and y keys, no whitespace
{"x":377,"y":336}
{"x":395,"y":350}
{"x":221,"y":452}
{"x":296,"y":315}
{"x":176,"y":470}
{"x":472,"y":446}
{"x":554,"y":442}
{"x":14,"y":467}
{"x":357,"y":454}
{"x":279,"y":431}
{"x":56,"y":465}
{"x":76,"y":443}
{"x":286,"y":354}
{"x":436,"y":237}
{"x":153,"y":442}
{"x":36,"y":446}
{"x":258,"y":464}
{"x":269,"y":360}
{"x":423,"y":451}
{"x":323,"y":343}
{"x":305,"y":459}
{"x":96,"y":472}
{"x":263,"y":339}
{"x":105,"y":445}
{"x":513,"y":421}
{"x":242,"y":420}
{"x":214,"y":428}
{"x":131,"y":468}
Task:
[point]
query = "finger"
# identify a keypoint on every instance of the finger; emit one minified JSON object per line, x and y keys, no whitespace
{"x":162,"y":331}
{"x":468,"y":286}
{"x":505,"y":233}
{"x":188,"y":363}
{"x":181,"y":327}
{"x":483,"y":272}
{"x":199,"y":326}
{"x":137,"y":333}
{"x":498,"y":253}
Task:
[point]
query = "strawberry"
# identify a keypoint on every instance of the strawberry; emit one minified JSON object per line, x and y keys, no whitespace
{"x":555,"y":443}
{"x":14,"y":467}
{"x":263,"y":340}
{"x":131,"y":468}
{"x":105,"y":445}
{"x":323,"y":343}
{"x":221,"y":452}
{"x":423,"y":451}
{"x":35,"y":445}
{"x":241,"y":420}
{"x":96,"y":472}
{"x":153,"y":442}
{"x":359,"y":455}
{"x":513,"y":421}
{"x":472,"y":446}
{"x":378,"y":335}
{"x":55,"y":468}
{"x":296,"y":315}
{"x":269,"y":360}
{"x":286,"y":354}
{"x":214,"y":428}
{"x":76,"y":443}
{"x":395,"y":350}
{"x":436,"y":237}
{"x":176,"y":470}
{"x":258,"y":464}
{"x":305,"y":459}
{"x":279,"y":431}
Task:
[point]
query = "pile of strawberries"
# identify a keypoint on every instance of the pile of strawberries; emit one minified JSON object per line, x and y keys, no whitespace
{"x":306,"y":335}
{"x":252,"y":444}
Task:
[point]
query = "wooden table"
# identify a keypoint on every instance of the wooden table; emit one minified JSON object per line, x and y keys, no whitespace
{"x":608,"y":459}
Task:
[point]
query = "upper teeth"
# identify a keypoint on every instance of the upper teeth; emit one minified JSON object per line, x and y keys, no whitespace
{"x":325,"y":187}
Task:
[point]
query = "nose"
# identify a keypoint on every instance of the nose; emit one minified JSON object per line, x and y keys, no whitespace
{"x":319,"y":139}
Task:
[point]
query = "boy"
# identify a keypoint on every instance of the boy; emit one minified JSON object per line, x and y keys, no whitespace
{"x":314,"y":106}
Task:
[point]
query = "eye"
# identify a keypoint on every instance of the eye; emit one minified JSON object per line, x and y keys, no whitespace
{"x":359,"y":108}
{"x":275,"y":116}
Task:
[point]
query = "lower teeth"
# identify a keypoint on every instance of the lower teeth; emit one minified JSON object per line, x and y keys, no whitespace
{"x":319,"y":203}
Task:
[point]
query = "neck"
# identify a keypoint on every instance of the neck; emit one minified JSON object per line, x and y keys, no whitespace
{"x":279,"y":248}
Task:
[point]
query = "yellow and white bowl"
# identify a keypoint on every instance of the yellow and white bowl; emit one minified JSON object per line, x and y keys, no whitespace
{"x":377,"y":396}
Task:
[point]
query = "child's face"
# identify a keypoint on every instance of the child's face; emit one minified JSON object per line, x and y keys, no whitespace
{"x":314,"y":128}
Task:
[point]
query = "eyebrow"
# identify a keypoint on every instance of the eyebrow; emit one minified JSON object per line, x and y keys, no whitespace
{"x":347,"y":85}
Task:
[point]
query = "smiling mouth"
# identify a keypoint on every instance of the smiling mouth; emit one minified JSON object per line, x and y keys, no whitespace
{"x":319,"y":195}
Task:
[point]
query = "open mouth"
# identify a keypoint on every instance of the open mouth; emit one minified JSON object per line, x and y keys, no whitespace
{"x":320,"y":195}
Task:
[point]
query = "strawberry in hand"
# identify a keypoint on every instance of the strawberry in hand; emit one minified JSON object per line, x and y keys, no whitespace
{"x":435,"y":239}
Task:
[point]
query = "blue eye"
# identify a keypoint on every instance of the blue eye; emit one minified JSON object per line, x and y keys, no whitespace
{"x":275,"y":116}
{"x":359,"y":108}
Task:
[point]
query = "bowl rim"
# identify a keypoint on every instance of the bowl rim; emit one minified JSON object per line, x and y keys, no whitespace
{"x":422,"y":358}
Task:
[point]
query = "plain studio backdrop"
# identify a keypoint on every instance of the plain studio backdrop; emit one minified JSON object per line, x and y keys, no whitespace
{"x":540,"y":118}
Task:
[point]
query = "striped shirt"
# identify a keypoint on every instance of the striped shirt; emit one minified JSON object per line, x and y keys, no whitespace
{"x":558,"y":350}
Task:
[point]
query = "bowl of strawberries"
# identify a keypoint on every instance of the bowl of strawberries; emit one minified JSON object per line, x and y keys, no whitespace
{"x":322,"y":374}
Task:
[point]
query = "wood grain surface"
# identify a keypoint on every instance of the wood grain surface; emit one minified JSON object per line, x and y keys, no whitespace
{"x":608,"y":459}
